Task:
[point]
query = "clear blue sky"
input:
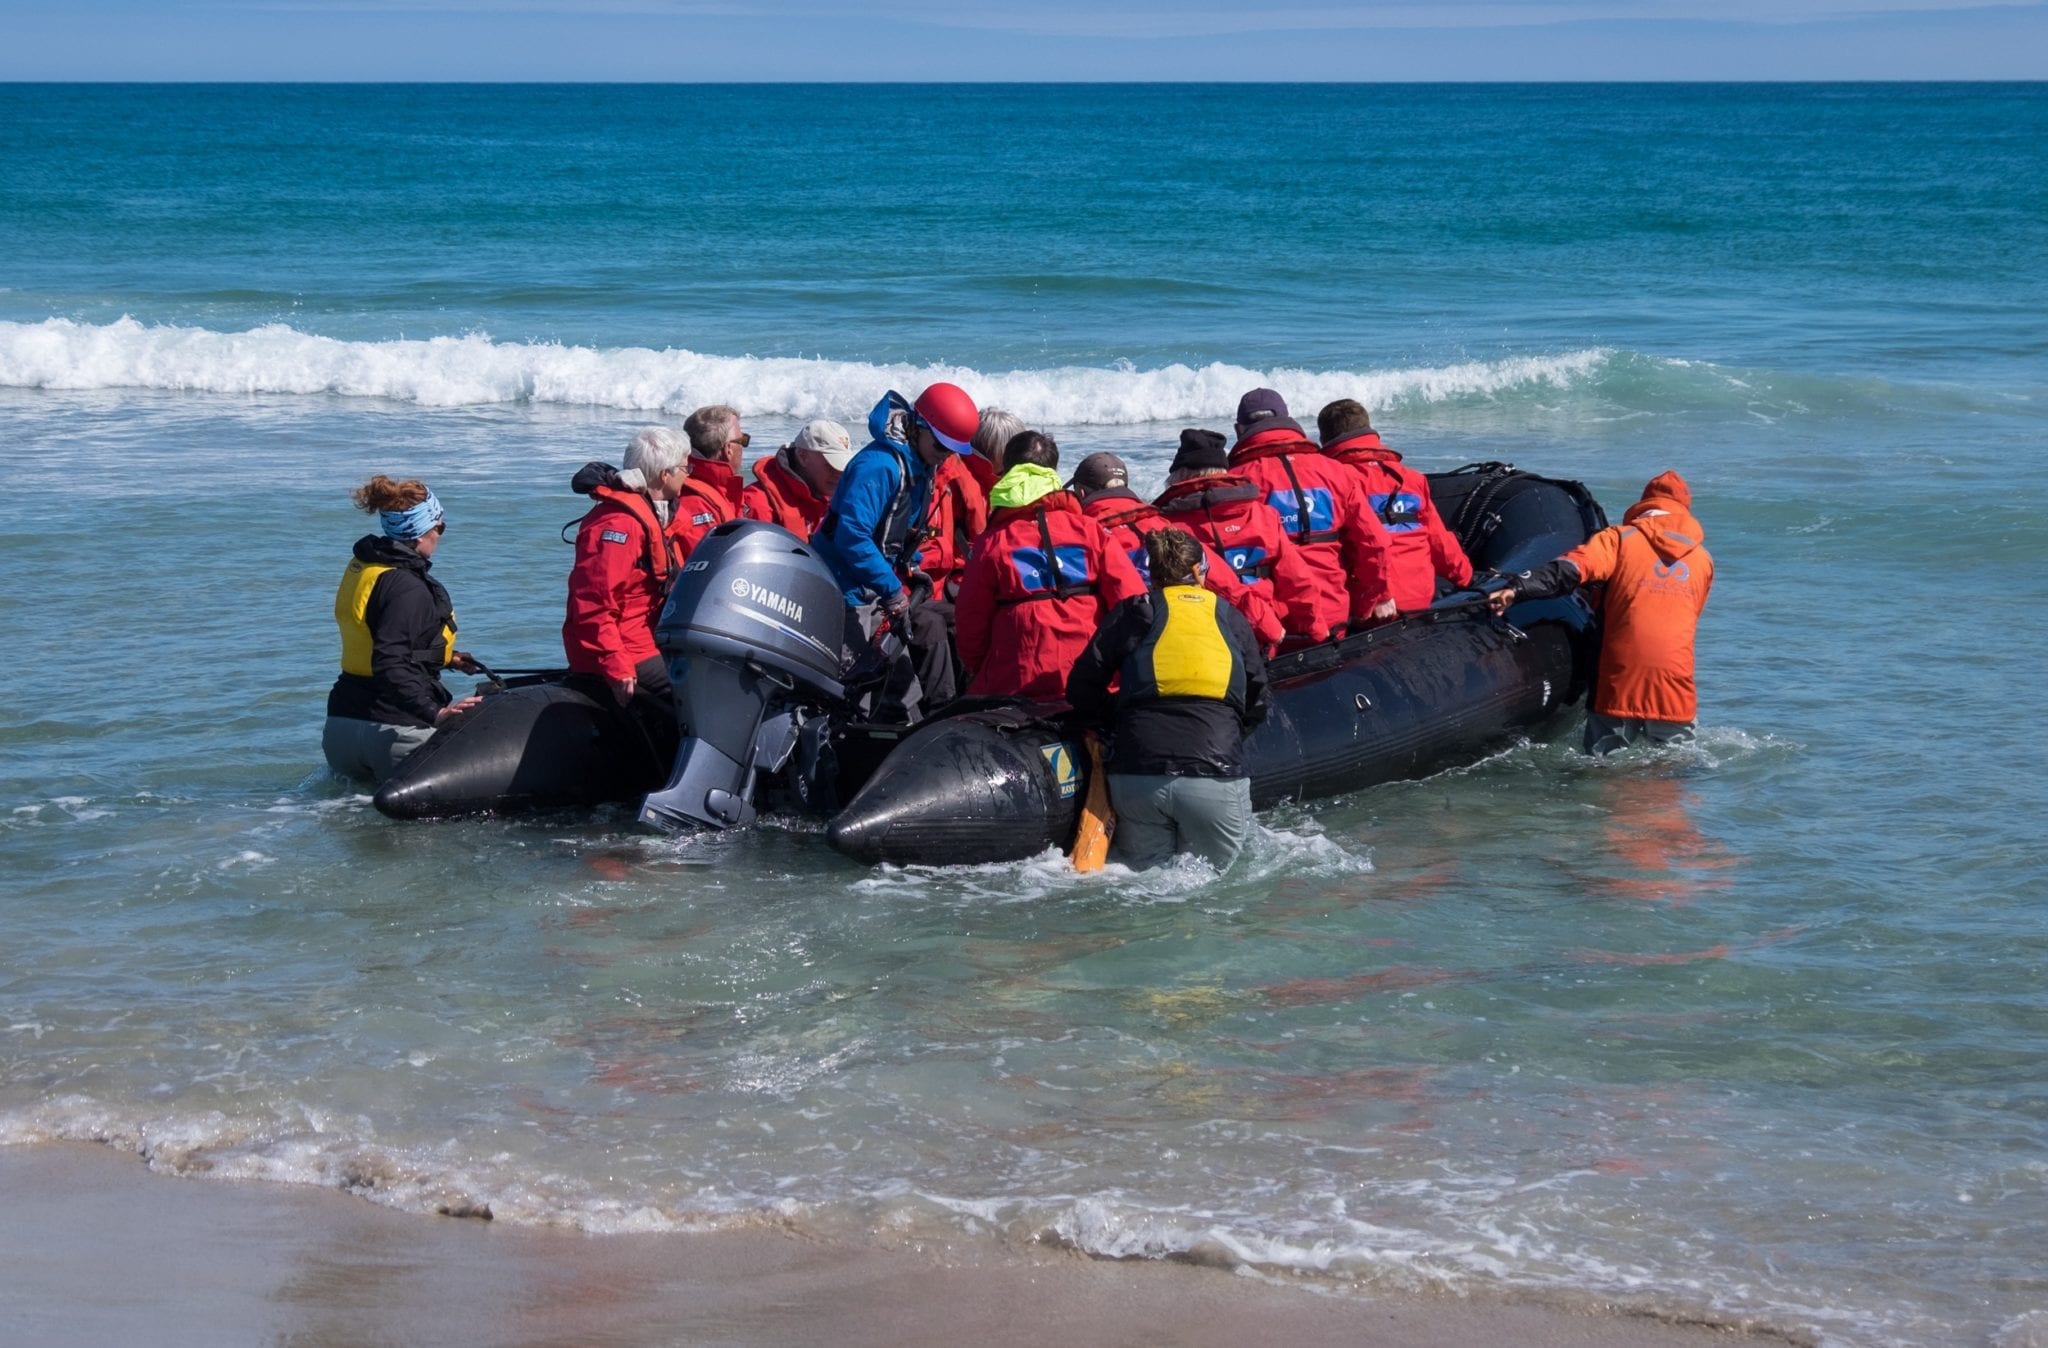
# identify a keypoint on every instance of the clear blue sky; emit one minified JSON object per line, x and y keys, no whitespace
{"x":978,"y":40}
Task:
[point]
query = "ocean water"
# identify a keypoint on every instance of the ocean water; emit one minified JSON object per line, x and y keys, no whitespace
{"x":1755,"y":1031}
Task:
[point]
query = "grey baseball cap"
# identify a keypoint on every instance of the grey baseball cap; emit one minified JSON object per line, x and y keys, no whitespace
{"x":828,"y":438}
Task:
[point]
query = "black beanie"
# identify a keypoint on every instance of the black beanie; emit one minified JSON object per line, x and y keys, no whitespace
{"x":1201,"y":449}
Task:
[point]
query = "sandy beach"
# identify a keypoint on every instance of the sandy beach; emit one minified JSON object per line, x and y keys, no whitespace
{"x":96,"y":1249}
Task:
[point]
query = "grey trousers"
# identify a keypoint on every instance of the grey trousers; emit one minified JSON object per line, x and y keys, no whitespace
{"x":921,"y":678}
{"x":1158,"y":816}
{"x":369,"y":751}
{"x":1605,"y":734}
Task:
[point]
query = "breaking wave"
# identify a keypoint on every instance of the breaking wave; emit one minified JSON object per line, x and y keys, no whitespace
{"x":471,"y":370}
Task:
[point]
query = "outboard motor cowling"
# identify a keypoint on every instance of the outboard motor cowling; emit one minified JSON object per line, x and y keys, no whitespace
{"x":753,"y":631}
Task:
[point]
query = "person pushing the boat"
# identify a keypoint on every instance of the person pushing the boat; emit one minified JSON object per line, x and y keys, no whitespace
{"x":1657,"y":573}
{"x":1420,"y":549}
{"x":793,"y":486}
{"x":869,"y":538}
{"x":1102,"y":482}
{"x":1323,"y":505}
{"x":1038,"y":583}
{"x":397,"y":635}
{"x":1190,"y":682}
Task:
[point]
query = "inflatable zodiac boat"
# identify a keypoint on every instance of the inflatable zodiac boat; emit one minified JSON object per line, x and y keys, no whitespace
{"x":753,"y":632}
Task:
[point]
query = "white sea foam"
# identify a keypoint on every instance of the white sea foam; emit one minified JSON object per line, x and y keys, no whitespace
{"x":301,"y":1146}
{"x":59,"y":353}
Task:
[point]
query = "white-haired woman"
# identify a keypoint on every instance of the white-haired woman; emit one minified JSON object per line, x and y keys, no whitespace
{"x":627,"y":554}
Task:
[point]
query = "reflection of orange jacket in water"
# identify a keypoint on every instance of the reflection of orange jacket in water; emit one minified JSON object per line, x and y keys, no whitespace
{"x":1658,"y":571}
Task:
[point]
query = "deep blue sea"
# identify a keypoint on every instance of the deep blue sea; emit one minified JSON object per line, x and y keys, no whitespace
{"x":1755,"y":1031}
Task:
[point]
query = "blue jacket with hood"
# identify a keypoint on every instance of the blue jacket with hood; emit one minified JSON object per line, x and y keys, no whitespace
{"x":877,"y":508}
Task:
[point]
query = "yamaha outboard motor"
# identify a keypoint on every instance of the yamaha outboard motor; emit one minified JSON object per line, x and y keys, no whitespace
{"x":753,"y":632}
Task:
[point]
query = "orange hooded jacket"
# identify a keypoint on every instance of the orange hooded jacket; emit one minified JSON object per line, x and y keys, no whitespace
{"x":1657,"y":571}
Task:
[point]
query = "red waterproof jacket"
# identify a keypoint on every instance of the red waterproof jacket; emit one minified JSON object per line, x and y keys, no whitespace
{"x":1420,"y":547}
{"x":958,"y":515}
{"x":1224,"y":513}
{"x":1322,"y":504}
{"x":1127,"y":519}
{"x":779,"y":495}
{"x":624,"y":563}
{"x":1658,"y":572}
{"x":711,"y":495}
{"x":1036,"y":587}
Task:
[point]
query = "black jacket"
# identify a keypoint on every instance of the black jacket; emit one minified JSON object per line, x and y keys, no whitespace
{"x":406,"y":614}
{"x":1170,"y":736}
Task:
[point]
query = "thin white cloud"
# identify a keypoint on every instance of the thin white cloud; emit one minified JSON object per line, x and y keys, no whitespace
{"x":1185,"y":18}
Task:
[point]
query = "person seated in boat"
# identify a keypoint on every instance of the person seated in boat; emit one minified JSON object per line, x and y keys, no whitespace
{"x":1038,"y":583}
{"x":397,"y":635}
{"x":1421,"y":549}
{"x":959,"y":509}
{"x":1102,"y":483}
{"x":870,"y":535}
{"x":1190,"y":682}
{"x":629,"y":549}
{"x":1225,"y":512}
{"x":1657,"y":572}
{"x":1323,"y":506}
{"x":998,"y":428}
{"x":713,"y":492}
{"x":792,"y":486}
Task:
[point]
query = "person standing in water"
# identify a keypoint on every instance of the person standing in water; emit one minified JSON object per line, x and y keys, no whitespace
{"x":1657,"y":571}
{"x":397,"y":635}
{"x":1190,"y":683}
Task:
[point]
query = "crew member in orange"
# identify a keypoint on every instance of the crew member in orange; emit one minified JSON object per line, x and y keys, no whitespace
{"x":793,"y":487}
{"x":1657,"y":570}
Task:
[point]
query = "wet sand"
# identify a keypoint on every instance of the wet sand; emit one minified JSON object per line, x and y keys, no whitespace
{"x":95,"y":1249}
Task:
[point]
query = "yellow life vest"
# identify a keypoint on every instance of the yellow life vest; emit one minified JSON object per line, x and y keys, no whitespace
{"x":352,"y":601}
{"x":1188,"y":654}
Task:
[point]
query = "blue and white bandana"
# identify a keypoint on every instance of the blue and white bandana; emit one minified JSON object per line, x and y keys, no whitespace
{"x":418,"y":522}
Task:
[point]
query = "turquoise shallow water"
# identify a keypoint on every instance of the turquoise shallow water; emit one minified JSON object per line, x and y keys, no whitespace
{"x":1757,"y":1029}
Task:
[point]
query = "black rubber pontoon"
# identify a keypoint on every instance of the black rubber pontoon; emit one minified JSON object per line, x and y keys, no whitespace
{"x":538,"y":744}
{"x":1398,"y":701}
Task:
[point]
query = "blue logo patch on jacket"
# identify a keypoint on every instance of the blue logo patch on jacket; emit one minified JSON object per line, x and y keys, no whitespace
{"x":612,"y":536}
{"x":1399,"y":511}
{"x":1036,"y":576}
{"x":1322,"y":509}
{"x":1143,"y":563}
{"x":1245,"y":561}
